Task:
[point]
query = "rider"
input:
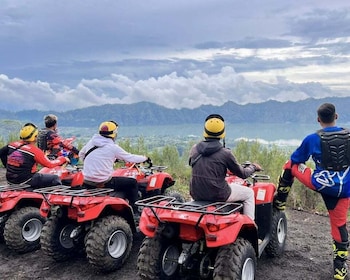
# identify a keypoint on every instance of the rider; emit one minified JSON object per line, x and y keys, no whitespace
{"x":51,"y":143}
{"x":210,"y":162}
{"x":329,"y":148}
{"x":99,"y":156}
{"x":22,"y":157}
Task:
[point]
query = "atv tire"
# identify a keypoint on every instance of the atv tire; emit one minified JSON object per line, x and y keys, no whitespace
{"x":176,"y":195}
{"x":56,"y":241}
{"x":277,"y":242}
{"x":235,"y":261}
{"x":108,"y":243}
{"x":22,"y":230}
{"x":157,"y":259}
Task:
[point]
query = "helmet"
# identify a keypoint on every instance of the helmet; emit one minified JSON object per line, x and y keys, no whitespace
{"x":214,"y":127}
{"x":109,"y":129}
{"x":29,"y":132}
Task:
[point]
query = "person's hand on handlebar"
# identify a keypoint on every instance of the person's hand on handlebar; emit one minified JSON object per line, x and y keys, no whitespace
{"x":149,"y":161}
{"x":257,"y":167}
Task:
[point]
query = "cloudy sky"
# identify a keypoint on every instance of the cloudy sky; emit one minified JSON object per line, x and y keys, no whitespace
{"x":67,"y":54}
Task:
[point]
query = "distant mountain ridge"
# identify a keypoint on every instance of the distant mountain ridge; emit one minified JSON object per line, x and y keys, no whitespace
{"x":146,"y":113}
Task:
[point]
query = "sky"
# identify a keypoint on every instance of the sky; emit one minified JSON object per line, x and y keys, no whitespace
{"x":69,"y":54}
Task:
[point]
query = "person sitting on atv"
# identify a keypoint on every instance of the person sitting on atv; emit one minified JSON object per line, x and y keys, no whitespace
{"x":52,"y":144}
{"x":99,"y":156}
{"x":210,"y":162}
{"x":22,"y":157}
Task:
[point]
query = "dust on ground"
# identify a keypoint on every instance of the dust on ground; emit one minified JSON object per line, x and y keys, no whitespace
{"x":308,"y":256}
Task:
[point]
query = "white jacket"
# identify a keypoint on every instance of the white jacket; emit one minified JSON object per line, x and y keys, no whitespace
{"x":98,"y":165}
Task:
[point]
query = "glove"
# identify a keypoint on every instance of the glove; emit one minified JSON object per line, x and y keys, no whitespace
{"x":149,"y":161}
{"x":257,"y":167}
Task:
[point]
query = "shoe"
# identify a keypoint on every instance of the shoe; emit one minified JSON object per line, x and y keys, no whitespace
{"x":341,"y":272}
{"x":279,"y":205}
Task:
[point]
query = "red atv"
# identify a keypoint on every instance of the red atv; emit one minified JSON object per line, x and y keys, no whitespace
{"x":209,"y":240}
{"x":20,"y":219}
{"x":98,"y":220}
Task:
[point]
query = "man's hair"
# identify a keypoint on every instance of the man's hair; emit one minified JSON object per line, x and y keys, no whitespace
{"x":50,"y":120}
{"x":326,"y":113}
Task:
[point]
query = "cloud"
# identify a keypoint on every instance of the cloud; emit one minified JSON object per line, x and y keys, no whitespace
{"x":172,"y":91}
{"x":178,"y":54}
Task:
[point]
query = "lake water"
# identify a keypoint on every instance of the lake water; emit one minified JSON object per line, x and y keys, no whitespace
{"x":280,"y":134}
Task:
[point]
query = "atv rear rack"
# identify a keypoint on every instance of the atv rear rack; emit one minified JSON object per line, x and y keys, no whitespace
{"x":69,"y":191}
{"x":204,"y":207}
{"x":14,"y":187}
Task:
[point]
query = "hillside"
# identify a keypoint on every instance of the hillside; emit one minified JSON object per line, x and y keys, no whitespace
{"x":145,"y":113}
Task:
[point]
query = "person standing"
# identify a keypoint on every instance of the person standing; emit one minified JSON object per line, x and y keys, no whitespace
{"x":22,"y":157}
{"x":329,"y":148}
{"x":99,"y":155}
{"x":210,"y":161}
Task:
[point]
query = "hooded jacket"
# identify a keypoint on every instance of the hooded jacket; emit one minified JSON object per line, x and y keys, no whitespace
{"x":99,"y":163}
{"x":210,"y":162}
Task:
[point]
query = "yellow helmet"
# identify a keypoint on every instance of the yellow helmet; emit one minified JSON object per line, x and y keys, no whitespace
{"x":214,"y":127}
{"x":29,"y":132}
{"x":109,"y":129}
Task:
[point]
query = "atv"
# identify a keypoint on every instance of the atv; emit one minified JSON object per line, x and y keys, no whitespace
{"x":98,"y":221}
{"x":209,"y":240}
{"x":20,"y":219}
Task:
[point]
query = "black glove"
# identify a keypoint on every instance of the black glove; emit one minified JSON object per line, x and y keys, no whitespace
{"x":149,"y":161}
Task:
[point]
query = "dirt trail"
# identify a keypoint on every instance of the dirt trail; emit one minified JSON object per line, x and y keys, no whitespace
{"x":308,"y":256}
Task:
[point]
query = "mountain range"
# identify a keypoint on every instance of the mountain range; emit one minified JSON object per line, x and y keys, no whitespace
{"x":145,"y":113}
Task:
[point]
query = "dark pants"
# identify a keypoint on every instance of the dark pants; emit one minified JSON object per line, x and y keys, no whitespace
{"x":44,"y":180}
{"x":126,"y":185}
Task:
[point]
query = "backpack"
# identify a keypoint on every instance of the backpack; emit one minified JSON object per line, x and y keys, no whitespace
{"x":42,"y":139}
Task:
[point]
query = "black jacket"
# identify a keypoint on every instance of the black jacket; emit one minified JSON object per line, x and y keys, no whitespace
{"x":210,"y":162}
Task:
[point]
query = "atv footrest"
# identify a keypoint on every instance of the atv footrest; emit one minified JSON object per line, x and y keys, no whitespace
{"x":14,"y":187}
{"x":204,"y":207}
{"x":69,"y":191}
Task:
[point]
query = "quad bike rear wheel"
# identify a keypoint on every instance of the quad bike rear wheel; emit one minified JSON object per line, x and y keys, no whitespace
{"x":108,"y":243}
{"x":236,"y":261}
{"x":158,"y":259}
{"x":176,"y":195}
{"x":22,"y":230}
{"x":56,"y":240}
{"x":277,"y":242}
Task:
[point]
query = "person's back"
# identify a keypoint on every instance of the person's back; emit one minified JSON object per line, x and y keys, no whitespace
{"x":210,"y":162}
{"x":42,"y":139}
{"x":22,"y":157}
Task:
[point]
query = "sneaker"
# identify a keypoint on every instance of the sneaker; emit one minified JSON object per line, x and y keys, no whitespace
{"x":341,"y":272}
{"x":279,"y":205}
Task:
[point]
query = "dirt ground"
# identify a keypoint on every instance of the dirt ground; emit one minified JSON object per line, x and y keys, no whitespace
{"x":308,"y":255}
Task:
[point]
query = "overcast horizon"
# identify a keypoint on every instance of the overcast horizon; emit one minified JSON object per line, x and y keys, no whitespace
{"x":177,"y":54}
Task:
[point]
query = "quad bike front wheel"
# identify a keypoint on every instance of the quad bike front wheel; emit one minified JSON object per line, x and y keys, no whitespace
{"x":236,"y":261}
{"x":277,"y":242}
{"x":108,"y":243}
{"x":22,"y":230}
{"x":56,"y":240}
{"x":158,"y":259}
